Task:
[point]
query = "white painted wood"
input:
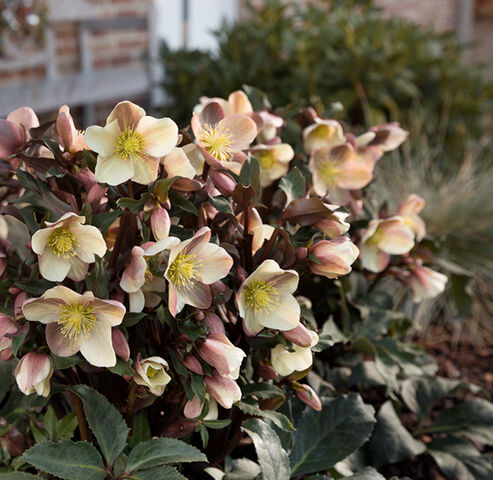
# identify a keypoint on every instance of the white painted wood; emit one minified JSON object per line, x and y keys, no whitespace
{"x":168,"y":21}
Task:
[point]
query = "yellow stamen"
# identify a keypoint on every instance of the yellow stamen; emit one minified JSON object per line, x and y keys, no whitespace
{"x":148,"y":274}
{"x":329,"y":171}
{"x":129,"y":144}
{"x":262,"y":296}
{"x":322,"y":132}
{"x":76,"y":319}
{"x":217,"y":142}
{"x":152,"y":372}
{"x":183,"y":271}
{"x":266,"y":159}
{"x":62,"y":242}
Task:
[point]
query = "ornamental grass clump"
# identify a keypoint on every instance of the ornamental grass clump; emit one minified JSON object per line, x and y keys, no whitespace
{"x":165,"y":295}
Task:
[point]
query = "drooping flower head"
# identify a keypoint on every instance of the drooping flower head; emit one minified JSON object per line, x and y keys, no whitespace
{"x":14,"y":130}
{"x":409,"y":211}
{"x":383,"y":238}
{"x":139,"y":281}
{"x":223,"y":389}
{"x":334,"y":257}
{"x":322,"y":134}
{"x":33,"y":374}
{"x":70,"y":138}
{"x":130,"y":144}
{"x":222,"y":138}
{"x":219,"y":352}
{"x":274,"y":161}
{"x":66,"y":247}
{"x":193,"y":265}
{"x":266,"y":299}
{"x":338,"y":168}
{"x":77,"y":322}
{"x":426,"y":283}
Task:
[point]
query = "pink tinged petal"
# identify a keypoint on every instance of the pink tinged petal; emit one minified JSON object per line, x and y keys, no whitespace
{"x":53,"y":268}
{"x":108,"y":312}
{"x":120,"y":344}
{"x":12,"y":138}
{"x":25,"y":117}
{"x":412,"y":205}
{"x":198,"y":295}
{"x":309,"y":397}
{"x":193,"y":364}
{"x":60,"y":344}
{"x":396,"y":240}
{"x":66,"y":295}
{"x":33,"y":369}
{"x":136,"y":301}
{"x":175,"y":302}
{"x":134,"y":275}
{"x":373,"y":259}
{"x":354,"y":176}
{"x":299,"y":335}
{"x":216,"y":262}
{"x":211,"y":114}
{"x":40,"y":239}
{"x":193,"y":408}
{"x":177,"y":164}
{"x":196,"y":128}
{"x":160,"y":223}
{"x":103,"y":140}
{"x":114,"y":169}
{"x":285,"y":316}
{"x":153,"y":248}
{"x":239,"y":102}
{"x":66,"y":219}
{"x":90,"y":241}
{"x":160,"y":135}
{"x":242,"y":128}
{"x":97,"y":347}
{"x":195,"y":157}
{"x":78,"y":269}
{"x":127,"y":114}
{"x":223,"y":389}
{"x":219,"y":352}
{"x":145,"y":169}
{"x":66,"y":129}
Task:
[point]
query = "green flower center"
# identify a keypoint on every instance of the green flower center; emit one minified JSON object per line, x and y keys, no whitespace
{"x":62,"y":242}
{"x":266,"y":159}
{"x":76,"y":319}
{"x":129,"y":144}
{"x":262,"y":296}
{"x":183,"y":271}
{"x":217,"y":142}
{"x":329,"y":171}
{"x":152,"y":372}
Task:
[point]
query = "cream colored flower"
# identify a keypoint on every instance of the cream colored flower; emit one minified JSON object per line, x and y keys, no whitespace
{"x":222,"y":138}
{"x":66,"y":247}
{"x":260,"y":231}
{"x":335,"y":224}
{"x":139,"y":281}
{"x":219,"y":352}
{"x":237,"y":103}
{"x":335,"y":257}
{"x":224,"y":389}
{"x":193,"y":265}
{"x":383,"y":238}
{"x":33,"y":374}
{"x":194,"y":409}
{"x":426,"y":283}
{"x":151,"y":373}
{"x":274,"y":161}
{"x":77,"y":322}
{"x":130,"y":145}
{"x":285,"y":362}
{"x":322,"y":134}
{"x":409,"y":211}
{"x":266,"y":299}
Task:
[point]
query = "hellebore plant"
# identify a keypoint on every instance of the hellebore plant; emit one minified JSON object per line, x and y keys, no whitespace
{"x":190,"y":281}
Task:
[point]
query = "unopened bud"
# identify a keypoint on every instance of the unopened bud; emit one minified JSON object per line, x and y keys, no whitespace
{"x":193,"y":364}
{"x":299,"y":335}
{"x":120,"y":344}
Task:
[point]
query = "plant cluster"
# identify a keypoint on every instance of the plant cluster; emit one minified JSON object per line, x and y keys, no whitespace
{"x":330,"y":51}
{"x":163,"y":294}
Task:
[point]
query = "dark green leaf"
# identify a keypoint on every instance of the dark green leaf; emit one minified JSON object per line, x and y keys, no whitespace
{"x":18,"y":476}
{"x":158,"y":473}
{"x":104,"y":420}
{"x":131,"y":319}
{"x":391,"y":442}
{"x":60,"y":363}
{"x":141,"y":430}
{"x":293,"y":185}
{"x":66,"y":426}
{"x":180,"y":202}
{"x":161,"y":188}
{"x":250,"y":175}
{"x":66,"y":459}
{"x":278,"y":419}
{"x":273,"y":459}
{"x":122,"y":367}
{"x":221,"y":204}
{"x":104,"y":220}
{"x":162,"y":451}
{"x":324,"y":438}
{"x":5,"y":379}
{"x":98,"y":279}
{"x":262,"y":390}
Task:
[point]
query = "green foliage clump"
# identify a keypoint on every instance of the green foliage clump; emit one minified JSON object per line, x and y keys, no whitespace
{"x":378,"y":68}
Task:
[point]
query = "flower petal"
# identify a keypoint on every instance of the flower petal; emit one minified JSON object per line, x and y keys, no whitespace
{"x":145,"y":169}
{"x":60,"y":344}
{"x":97,"y":347}
{"x":78,"y":269}
{"x":103,"y":140}
{"x":160,"y":135}
{"x":53,"y":268}
{"x":114,"y":169}
{"x":109,"y":312}
{"x":176,"y":164}
{"x":89,"y":242}
{"x":286,"y":316}
{"x":239,"y":102}
{"x":40,"y":239}
{"x":243,"y":130}
{"x":199,"y":295}
{"x":12,"y":137}
{"x":127,"y":114}
{"x":136,"y":301}
{"x":42,"y":310}
{"x":134,"y":275}
{"x":216,"y":262}
{"x":373,"y":259}
{"x":211,"y":114}
{"x":25,"y":117}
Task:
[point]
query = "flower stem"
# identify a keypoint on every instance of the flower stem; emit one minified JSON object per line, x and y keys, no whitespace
{"x":81,"y":419}
{"x":131,"y":406}
{"x":247,"y":241}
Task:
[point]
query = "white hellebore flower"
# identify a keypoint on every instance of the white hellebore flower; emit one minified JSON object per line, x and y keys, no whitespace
{"x":274,"y":161}
{"x":426,"y":283}
{"x":193,"y":265}
{"x":286,"y":362}
{"x":219,"y":352}
{"x":33,"y":374}
{"x":138,"y":280}
{"x":266,"y":298}
{"x":131,"y":144}
{"x":66,"y":247}
{"x":77,"y":322}
{"x":224,"y":389}
{"x":151,"y":372}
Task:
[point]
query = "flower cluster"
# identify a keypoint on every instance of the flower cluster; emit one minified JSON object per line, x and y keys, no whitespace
{"x":181,"y":268}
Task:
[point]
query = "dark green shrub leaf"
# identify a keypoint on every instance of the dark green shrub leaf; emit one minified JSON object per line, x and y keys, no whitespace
{"x":158,"y":473}
{"x":273,"y":459}
{"x":162,"y":451}
{"x":324,"y":438}
{"x":104,"y":420}
{"x":18,"y":476}
{"x":278,"y":419}
{"x":66,"y":459}
{"x":293,"y":185}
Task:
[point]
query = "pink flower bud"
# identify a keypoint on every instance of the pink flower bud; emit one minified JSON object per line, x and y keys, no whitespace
{"x":301,"y":253}
{"x":7,"y":328}
{"x":219,"y":352}
{"x":223,"y":182}
{"x":33,"y":374}
{"x":225,"y":390}
{"x":215,"y":324}
{"x":19,"y":300}
{"x":193,"y":408}
{"x":388,"y":136}
{"x":299,"y":335}
{"x":120,"y":344}
{"x":335,"y":257}
{"x":426,"y":283}
{"x":193,"y":364}
{"x":160,"y":223}
{"x":308,"y":396}
{"x":266,"y":372}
